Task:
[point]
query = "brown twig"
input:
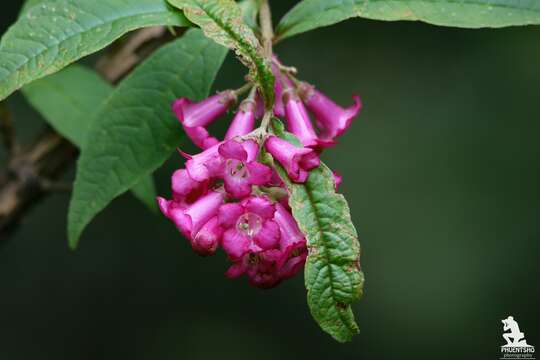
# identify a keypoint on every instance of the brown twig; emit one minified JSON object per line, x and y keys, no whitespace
{"x":31,"y":173}
{"x":7,"y":130}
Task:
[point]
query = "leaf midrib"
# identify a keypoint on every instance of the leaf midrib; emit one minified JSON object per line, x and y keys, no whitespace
{"x":71,"y":36}
{"x":326,"y":254}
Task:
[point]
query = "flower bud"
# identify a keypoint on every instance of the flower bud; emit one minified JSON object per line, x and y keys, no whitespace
{"x":296,"y":161}
{"x":243,"y":121}
{"x":203,"y":113}
{"x":332,"y":119}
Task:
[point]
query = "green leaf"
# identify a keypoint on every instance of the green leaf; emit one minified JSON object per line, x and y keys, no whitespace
{"x":221,"y":20}
{"x":311,"y":14}
{"x":278,"y":128}
{"x":145,"y":191}
{"x":67,"y":101}
{"x":136,"y":131}
{"x":332,"y":274}
{"x":53,"y":34}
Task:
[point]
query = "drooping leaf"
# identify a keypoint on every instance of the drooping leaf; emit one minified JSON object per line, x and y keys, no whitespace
{"x":67,"y":100}
{"x":53,"y":34}
{"x":221,"y":20}
{"x":136,"y":131}
{"x":332,"y":274}
{"x":311,"y":14}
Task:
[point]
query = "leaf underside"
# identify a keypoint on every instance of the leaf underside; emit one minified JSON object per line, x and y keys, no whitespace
{"x":68,"y":107}
{"x":311,"y":14}
{"x":52,"y":34}
{"x":136,"y":131}
{"x":222,"y":21}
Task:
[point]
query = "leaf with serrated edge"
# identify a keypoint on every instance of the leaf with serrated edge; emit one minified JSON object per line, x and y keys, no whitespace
{"x":311,"y":14}
{"x":136,"y":130}
{"x":332,"y":274}
{"x":221,"y":20}
{"x":67,"y":101}
{"x":53,"y":34}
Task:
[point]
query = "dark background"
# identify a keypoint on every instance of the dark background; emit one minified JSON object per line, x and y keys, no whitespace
{"x":441,"y":172}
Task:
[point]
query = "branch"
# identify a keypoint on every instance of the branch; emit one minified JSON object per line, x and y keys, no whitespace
{"x":31,"y":172}
{"x":7,"y":130}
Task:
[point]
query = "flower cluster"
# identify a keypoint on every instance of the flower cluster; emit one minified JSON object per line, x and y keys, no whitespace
{"x":227,"y":197}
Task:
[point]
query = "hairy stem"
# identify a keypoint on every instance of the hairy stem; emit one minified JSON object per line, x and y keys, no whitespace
{"x":267,"y":30}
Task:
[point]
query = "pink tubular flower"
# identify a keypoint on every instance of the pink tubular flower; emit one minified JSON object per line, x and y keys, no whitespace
{"x":279,"y":107}
{"x":203,"y":113}
{"x":200,"y":137}
{"x":296,"y":161}
{"x":241,"y":171}
{"x":243,"y":121}
{"x":249,"y":227}
{"x":266,"y":265}
{"x":292,"y":243}
{"x":251,"y":240}
{"x":298,"y":121}
{"x":185,"y":190}
{"x":332,"y":119}
{"x":196,"y":221}
{"x":205,"y":165}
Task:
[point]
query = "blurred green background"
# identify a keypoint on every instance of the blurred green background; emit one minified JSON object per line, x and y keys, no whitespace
{"x":442,"y":174}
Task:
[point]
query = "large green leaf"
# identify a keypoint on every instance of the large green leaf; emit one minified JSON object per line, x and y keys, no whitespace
{"x":222,"y":21}
{"x":332,"y":274}
{"x":67,"y":101}
{"x":53,"y":34}
{"x":311,"y":14}
{"x":136,"y":131}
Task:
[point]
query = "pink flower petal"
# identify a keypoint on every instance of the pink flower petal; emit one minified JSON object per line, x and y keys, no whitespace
{"x":232,"y":149}
{"x":268,"y":237}
{"x":235,"y":244}
{"x":229,"y":214}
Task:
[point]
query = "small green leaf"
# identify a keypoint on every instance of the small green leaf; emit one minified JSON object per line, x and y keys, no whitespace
{"x":221,"y":20}
{"x":136,"y":130}
{"x":53,"y":34}
{"x":311,"y":14}
{"x":278,"y":128}
{"x":332,"y":274}
{"x":67,"y":101}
